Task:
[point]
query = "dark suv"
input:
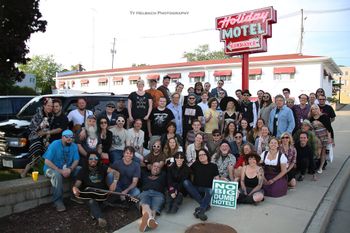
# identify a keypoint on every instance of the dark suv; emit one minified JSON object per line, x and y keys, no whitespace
{"x":14,"y":133}
{"x":10,"y":106}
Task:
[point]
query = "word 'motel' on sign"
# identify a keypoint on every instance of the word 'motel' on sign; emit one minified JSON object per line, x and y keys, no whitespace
{"x":246,"y":32}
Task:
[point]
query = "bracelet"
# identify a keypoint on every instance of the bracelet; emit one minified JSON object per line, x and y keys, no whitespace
{"x":115,"y":180}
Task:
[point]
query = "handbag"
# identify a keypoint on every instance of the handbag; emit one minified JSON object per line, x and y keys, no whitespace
{"x":329,"y":152}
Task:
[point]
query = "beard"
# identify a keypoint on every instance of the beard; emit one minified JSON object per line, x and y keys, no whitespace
{"x":91,"y":131}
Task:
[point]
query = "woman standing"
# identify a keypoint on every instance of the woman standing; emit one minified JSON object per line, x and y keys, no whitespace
{"x":225,"y":161}
{"x":287,"y":148}
{"x":194,"y":148}
{"x":266,"y":107}
{"x":323,"y":129}
{"x":178,"y":89}
{"x":212,"y":116}
{"x":262,"y":142}
{"x":106,"y":138}
{"x":275,"y":170}
{"x":252,"y":178}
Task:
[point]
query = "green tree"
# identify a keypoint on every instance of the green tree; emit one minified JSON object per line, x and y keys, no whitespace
{"x":203,"y":53}
{"x":44,"y":68}
{"x":18,"y":20}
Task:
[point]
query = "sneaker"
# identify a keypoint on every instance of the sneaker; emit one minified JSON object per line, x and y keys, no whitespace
{"x":76,"y":200}
{"x":144,"y":220}
{"x":319,"y":171}
{"x":202,"y":216}
{"x":102,"y":222}
{"x":196,"y":212}
{"x":151,"y":223}
{"x":60,"y":206}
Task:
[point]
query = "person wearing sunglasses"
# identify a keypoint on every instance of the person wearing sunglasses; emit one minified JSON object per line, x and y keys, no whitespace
{"x":110,"y":114}
{"x":61,"y":162}
{"x":213,"y":142}
{"x":156,"y":155}
{"x":288,"y":149}
{"x":236,"y":144}
{"x":95,"y":175}
{"x":247,"y":107}
{"x":119,"y":140}
{"x":215,"y":91}
{"x":326,"y":108}
{"x":106,"y":137}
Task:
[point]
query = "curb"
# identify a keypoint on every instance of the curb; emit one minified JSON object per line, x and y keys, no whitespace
{"x":321,"y":217}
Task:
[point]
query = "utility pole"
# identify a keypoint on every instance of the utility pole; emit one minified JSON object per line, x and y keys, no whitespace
{"x":113,"y":51}
{"x":301,"y":32}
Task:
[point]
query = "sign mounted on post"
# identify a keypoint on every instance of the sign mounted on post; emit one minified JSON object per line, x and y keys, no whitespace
{"x":224,"y":194}
{"x":246,"y":32}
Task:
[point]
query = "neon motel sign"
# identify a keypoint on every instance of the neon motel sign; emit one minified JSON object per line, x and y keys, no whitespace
{"x":246,"y":32}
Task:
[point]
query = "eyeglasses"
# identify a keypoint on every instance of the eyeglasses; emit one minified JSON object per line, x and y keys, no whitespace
{"x":120,"y":121}
{"x":93,"y":159}
{"x":286,"y":137}
{"x":202,"y":154}
{"x":103,"y":122}
{"x":68,"y":137}
{"x":156,"y":146}
{"x":221,"y":93}
{"x":246,"y":95}
{"x":266,"y":96}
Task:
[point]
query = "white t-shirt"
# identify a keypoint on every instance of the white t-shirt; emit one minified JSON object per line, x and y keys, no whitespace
{"x":274,"y":162}
{"x":135,"y":139}
{"x":119,"y":138}
{"x":77,"y":118}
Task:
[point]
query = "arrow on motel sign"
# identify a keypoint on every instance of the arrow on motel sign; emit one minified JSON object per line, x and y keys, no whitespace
{"x":246,"y":32}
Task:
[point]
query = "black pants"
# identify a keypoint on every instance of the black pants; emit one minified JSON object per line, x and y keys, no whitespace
{"x":304,"y":163}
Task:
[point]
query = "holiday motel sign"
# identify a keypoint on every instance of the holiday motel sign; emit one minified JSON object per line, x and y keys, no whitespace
{"x":246,"y":32}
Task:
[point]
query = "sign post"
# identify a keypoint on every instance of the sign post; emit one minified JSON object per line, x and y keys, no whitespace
{"x":224,"y":194}
{"x":245,"y":33}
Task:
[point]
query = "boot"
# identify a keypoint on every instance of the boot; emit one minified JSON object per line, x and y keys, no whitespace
{"x":249,"y":200}
{"x":169,"y":203}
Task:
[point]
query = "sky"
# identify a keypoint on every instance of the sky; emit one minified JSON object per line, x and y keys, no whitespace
{"x":82,"y":31}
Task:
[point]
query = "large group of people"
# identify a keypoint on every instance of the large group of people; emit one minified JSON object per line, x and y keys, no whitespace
{"x":163,"y":145}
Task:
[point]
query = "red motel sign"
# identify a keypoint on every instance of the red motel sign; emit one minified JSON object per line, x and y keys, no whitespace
{"x":246,"y":32}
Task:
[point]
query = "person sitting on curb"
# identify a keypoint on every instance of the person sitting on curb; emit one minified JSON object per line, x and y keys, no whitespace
{"x":152,"y":196}
{"x":61,"y":161}
{"x":95,"y":174}
{"x":204,"y":173}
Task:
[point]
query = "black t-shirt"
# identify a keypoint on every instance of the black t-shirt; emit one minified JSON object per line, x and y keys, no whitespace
{"x":93,"y":177}
{"x":328,"y":110}
{"x":158,"y":184}
{"x":140,"y":105}
{"x":303,"y":152}
{"x":107,"y":142}
{"x":123,"y":112}
{"x":190,"y":113}
{"x":159,"y":120}
{"x":61,"y":122}
{"x":204,"y":174}
{"x":90,"y":144}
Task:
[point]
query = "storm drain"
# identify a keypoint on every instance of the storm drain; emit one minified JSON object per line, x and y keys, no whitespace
{"x":210,"y":228}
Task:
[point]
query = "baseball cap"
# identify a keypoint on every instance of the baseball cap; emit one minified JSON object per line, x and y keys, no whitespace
{"x":91,"y":117}
{"x":67,"y":133}
{"x":111,"y":104}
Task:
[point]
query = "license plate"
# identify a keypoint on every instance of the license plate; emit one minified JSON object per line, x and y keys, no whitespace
{"x":7,"y":163}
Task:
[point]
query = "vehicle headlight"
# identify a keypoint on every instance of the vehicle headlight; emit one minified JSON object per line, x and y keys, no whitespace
{"x":17,"y":142}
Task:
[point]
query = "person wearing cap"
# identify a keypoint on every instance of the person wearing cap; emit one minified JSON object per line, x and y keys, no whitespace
{"x":247,"y":107}
{"x":164,"y":88}
{"x":109,"y":113}
{"x":61,"y":161}
{"x":78,"y":116}
{"x":91,"y":142}
{"x":215,"y":91}
{"x":191,"y":111}
{"x":154,"y":92}
{"x":225,"y":161}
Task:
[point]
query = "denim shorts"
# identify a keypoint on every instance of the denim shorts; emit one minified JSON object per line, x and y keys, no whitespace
{"x":152,"y":198}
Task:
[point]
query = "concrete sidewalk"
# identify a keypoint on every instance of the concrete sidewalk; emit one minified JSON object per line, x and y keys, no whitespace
{"x":296,"y":212}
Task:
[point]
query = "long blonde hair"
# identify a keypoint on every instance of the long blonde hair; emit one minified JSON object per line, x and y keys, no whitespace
{"x":168,"y":152}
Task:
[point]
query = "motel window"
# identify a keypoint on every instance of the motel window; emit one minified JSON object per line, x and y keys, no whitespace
{"x":84,"y":84}
{"x":102,"y":84}
{"x":196,"y":79}
{"x":117,"y":83}
{"x":133,"y":82}
{"x":224,"y":78}
{"x":283,"y":76}
{"x":255,"y":77}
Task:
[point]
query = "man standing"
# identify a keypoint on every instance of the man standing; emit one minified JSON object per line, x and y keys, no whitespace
{"x":152,"y":196}
{"x":159,"y":119}
{"x":79,"y":115}
{"x":281,"y":118}
{"x":256,"y":106}
{"x":164,"y":88}
{"x":215,"y":91}
{"x":325,"y":108}
{"x":156,"y":94}
{"x":238,"y":93}
{"x":247,"y":108}
{"x":207,"y":89}
{"x":61,"y":161}
{"x":59,"y":122}
{"x":204,"y":104}
{"x":191,"y":111}
{"x":286,"y":93}
{"x":176,"y":109}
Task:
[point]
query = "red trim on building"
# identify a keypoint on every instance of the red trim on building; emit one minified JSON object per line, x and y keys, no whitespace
{"x":284,"y":70}
{"x":218,"y":73}
{"x":84,"y":81}
{"x":118,"y":79}
{"x":103,"y":80}
{"x":196,"y":74}
{"x":255,"y":71}
{"x":175,"y":75}
{"x":61,"y":83}
{"x":153,"y":76}
{"x":134,"y":78}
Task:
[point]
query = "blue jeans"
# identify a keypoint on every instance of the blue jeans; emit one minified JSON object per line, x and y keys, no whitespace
{"x":201,"y":194}
{"x":152,"y":198}
{"x":57,"y":182}
{"x":120,"y":187}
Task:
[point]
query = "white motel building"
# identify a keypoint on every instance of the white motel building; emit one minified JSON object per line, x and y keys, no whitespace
{"x":300,"y":73}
